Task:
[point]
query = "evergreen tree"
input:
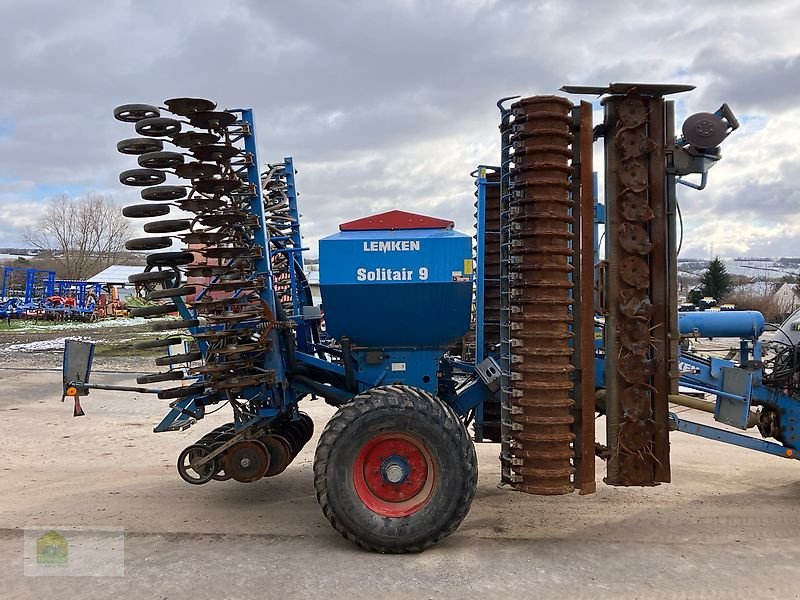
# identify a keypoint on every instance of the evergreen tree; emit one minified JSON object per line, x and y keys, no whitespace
{"x":715,"y":281}
{"x":695,"y":296}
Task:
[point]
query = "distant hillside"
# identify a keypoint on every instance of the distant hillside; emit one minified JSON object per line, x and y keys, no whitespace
{"x":752,"y":267}
{"x":14,"y":253}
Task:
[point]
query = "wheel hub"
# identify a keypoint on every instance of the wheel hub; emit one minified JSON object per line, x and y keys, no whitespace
{"x":395,"y":470}
{"x":393,"y":474}
{"x":246,"y":461}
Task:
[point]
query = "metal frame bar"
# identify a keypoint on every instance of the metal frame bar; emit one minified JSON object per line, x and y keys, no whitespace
{"x":480,"y":259}
{"x":583,"y":301}
{"x":294,"y":256}
{"x":730,"y":437}
{"x":505,"y":294}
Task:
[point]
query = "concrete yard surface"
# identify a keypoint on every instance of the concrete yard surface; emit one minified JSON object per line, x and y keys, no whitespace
{"x":727,"y":527}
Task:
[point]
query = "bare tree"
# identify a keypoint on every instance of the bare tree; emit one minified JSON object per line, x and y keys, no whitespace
{"x":84,"y":235}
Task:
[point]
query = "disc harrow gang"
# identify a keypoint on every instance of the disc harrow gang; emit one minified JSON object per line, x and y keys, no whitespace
{"x":197,"y":161}
{"x":245,"y":455}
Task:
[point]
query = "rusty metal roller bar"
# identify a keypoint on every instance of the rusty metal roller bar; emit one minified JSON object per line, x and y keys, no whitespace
{"x":637,"y":324}
{"x":540,"y":283}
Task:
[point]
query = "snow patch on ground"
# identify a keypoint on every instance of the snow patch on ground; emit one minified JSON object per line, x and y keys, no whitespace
{"x":27,"y":325}
{"x":54,"y":345}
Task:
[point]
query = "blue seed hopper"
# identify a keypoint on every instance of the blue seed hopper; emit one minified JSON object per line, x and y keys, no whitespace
{"x":398,"y":287}
{"x":397,"y":280}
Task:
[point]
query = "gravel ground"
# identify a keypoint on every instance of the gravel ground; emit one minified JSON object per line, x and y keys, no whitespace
{"x":27,"y":344}
{"x":726,"y":527}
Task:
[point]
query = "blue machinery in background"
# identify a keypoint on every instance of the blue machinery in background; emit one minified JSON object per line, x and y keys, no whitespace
{"x":30,"y":292}
{"x":23,"y":290}
{"x":27,"y":285}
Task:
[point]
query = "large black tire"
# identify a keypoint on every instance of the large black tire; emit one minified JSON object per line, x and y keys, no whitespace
{"x":385,"y":415}
{"x":133,"y":113}
{"x":174,"y":324}
{"x":176,"y":359}
{"x":157,"y":377}
{"x":153,"y":311}
{"x":148,"y":243}
{"x":167,"y":225}
{"x":144,"y":211}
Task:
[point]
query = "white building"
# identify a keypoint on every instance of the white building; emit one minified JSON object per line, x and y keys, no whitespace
{"x":787,"y":298}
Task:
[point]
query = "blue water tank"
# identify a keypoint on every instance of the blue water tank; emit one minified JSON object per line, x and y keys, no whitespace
{"x":397,"y":280}
{"x":748,"y":324}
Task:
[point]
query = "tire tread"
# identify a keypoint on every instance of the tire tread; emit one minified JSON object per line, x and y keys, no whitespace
{"x":406,"y":398}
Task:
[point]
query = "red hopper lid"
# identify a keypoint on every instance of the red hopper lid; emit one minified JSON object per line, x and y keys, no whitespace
{"x":396,"y":219}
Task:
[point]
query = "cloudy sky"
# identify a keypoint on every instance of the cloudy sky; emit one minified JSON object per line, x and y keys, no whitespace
{"x":391,"y":103}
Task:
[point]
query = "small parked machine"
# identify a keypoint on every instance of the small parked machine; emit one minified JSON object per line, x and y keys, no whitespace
{"x":24,"y":291}
{"x":519,"y":333}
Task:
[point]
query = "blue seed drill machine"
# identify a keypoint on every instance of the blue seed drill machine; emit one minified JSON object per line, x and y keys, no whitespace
{"x":520,"y":334}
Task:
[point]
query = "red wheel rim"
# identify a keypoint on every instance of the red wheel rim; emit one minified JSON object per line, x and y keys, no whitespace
{"x":394,"y":474}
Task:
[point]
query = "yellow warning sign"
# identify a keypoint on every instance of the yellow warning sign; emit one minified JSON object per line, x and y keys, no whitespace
{"x":467,"y":266}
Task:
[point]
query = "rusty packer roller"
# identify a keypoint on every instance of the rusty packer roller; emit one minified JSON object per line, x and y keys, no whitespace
{"x":540,"y":296}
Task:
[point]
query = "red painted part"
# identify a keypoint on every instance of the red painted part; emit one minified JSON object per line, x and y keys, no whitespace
{"x":394,"y":220}
{"x":386,"y":499}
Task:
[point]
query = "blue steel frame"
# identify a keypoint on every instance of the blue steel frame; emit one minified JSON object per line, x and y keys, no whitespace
{"x":481,"y":183}
{"x":294,"y":253}
{"x":32,"y":276}
{"x":709,"y":377}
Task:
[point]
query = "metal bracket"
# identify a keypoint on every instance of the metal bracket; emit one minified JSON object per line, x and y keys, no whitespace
{"x":733,"y":407}
{"x":489,"y":372}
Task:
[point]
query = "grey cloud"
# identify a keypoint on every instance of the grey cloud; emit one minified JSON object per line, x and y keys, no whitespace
{"x":760,"y":84}
{"x":382,"y":104}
